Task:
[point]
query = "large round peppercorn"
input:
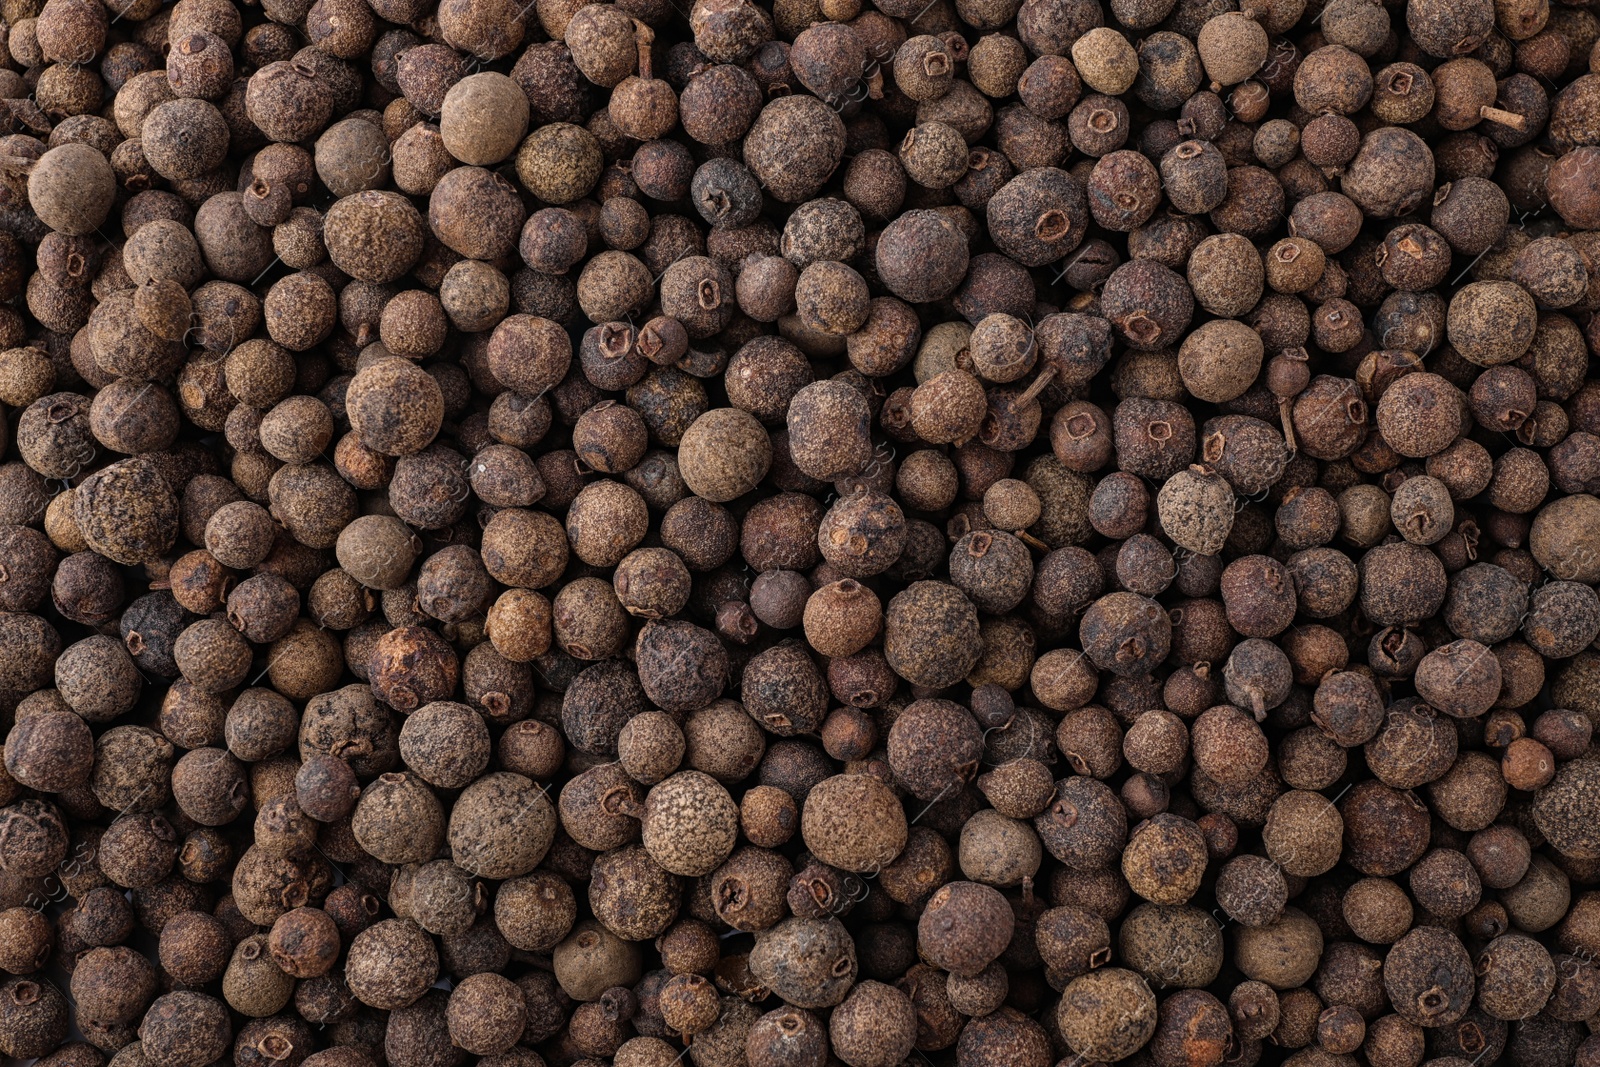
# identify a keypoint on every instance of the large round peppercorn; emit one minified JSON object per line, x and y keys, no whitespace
{"x":794,"y":146}
{"x":373,"y":236}
{"x":127,"y":511}
{"x":853,"y":822}
{"x":1039,"y":216}
{"x":922,"y":256}
{"x":724,"y":454}
{"x":70,"y":188}
{"x":931,"y":634}
{"x":395,"y":407}
{"x":1107,"y":1015}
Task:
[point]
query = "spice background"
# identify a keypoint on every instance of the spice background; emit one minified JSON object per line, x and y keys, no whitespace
{"x":799,"y":533}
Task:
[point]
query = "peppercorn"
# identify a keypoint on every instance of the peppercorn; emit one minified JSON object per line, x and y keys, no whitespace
{"x":1428,"y":977}
{"x":929,"y":634}
{"x":813,"y":140}
{"x":1107,"y":1014}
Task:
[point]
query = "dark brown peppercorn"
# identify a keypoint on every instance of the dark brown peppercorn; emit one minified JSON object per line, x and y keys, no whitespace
{"x":184,"y":1029}
{"x":1107,"y":1014}
{"x":1428,"y":977}
{"x":929,"y":634}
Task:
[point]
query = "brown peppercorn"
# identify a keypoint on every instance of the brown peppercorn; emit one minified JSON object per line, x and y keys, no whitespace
{"x":1165,"y":859}
{"x":875,"y":1026}
{"x":1107,"y":1014}
{"x":185,"y":1029}
{"x":842,"y":618}
{"x":1348,"y":708}
{"x":793,"y":146}
{"x":126,"y":512}
{"x":808,"y":962}
{"x":1385,"y":831}
{"x":50,"y":750}
{"x":194,"y":947}
{"x":964,"y":927}
{"x":929,"y":634}
{"x":1196,"y":509}
{"x":1040,"y":216}
{"x":410,"y":666}
{"x":1461,"y":678}
{"x":398,"y":819}
{"x":829,"y":430}
{"x":1251,"y":890}
{"x":723,"y":454}
{"x":304,"y":942}
{"x":1401,"y":583}
{"x":1282,"y":954}
{"x":853,"y":822}
{"x":1428,"y":977}
{"x":390,"y":964}
{"x":1124,"y":633}
{"x":486,"y":1014}
{"x":1085,"y":825}
{"x":1507,"y":305}
{"x":1377,"y":910}
{"x":373,"y":236}
{"x":690,"y":823}
{"x":690,"y":1004}
{"x":535,"y":912}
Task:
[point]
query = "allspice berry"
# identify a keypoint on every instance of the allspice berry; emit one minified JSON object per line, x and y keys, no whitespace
{"x":810,"y":963}
{"x":486,"y":1014}
{"x":483,"y":118}
{"x":930,"y":634}
{"x":1559,"y":809}
{"x":1107,"y":1014}
{"x":875,"y":1026}
{"x":127,"y":512}
{"x":829,"y":430}
{"x":1429,"y":977}
{"x":964,"y":927}
{"x":1220,"y":360}
{"x":724,"y":454}
{"x":1105,"y":61}
{"x":842,"y":618}
{"x":390,"y":964}
{"x":395,"y":407}
{"x":853,"y":822}
{"x":690,"y":823}
{"x":184,"y":1029}
{"x":70,"y":188}
{"x":1196,"y":510}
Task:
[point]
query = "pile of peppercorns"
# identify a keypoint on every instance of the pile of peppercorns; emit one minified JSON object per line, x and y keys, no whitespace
{"x":951,"y":533}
